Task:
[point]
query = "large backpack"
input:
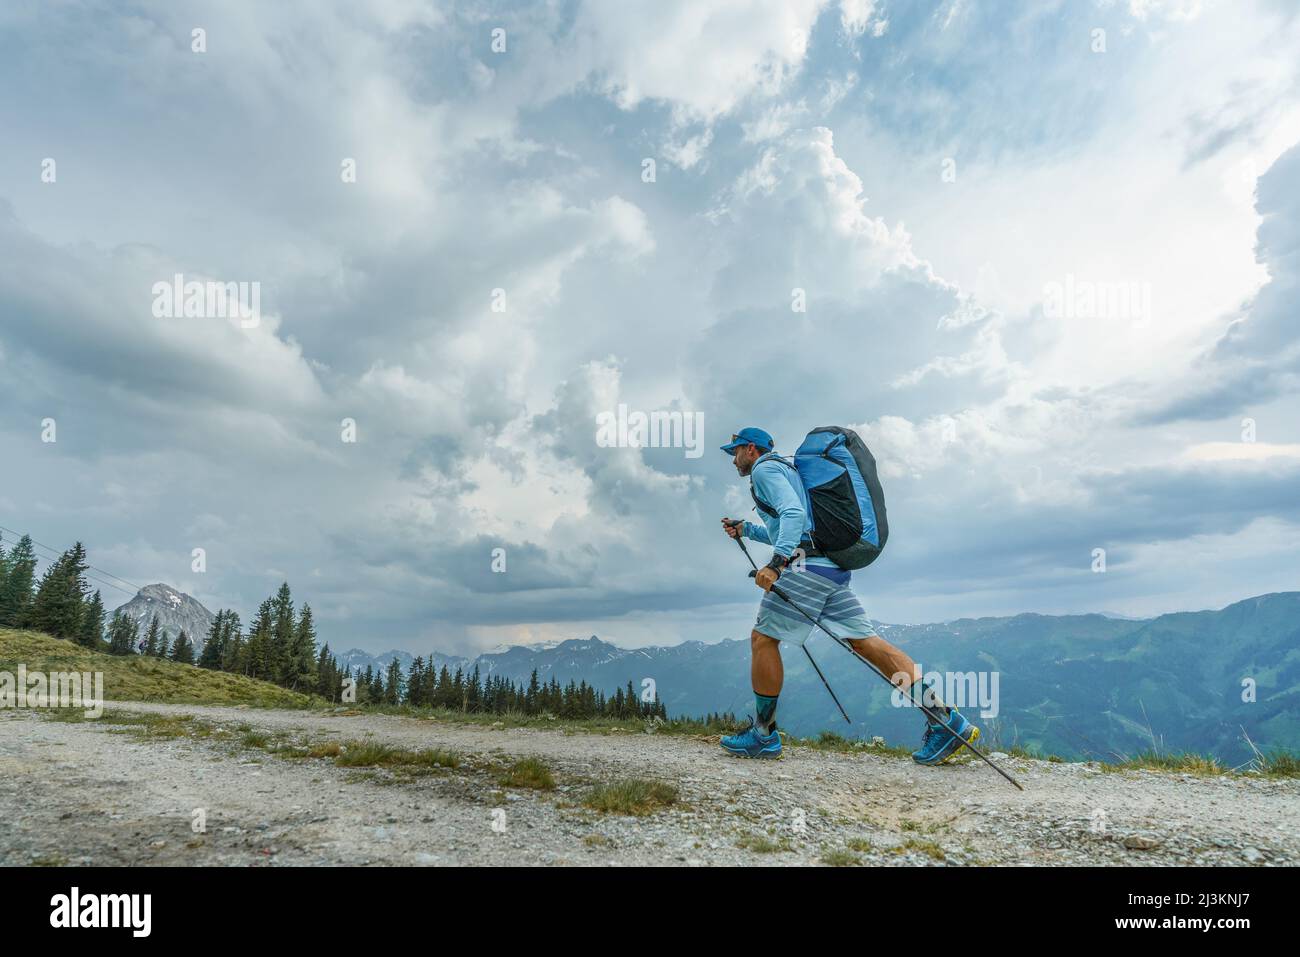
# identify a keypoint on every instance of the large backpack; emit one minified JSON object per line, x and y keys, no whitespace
{"x":838,"y":472}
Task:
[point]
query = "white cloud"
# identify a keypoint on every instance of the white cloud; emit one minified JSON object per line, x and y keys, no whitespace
{"x":1240,"y":451}
{"x":1005,"y":438}
{"x":800,"y":186}
{"x":855,"y":16}
{"x":1167,"y":9}
{"x":702,"y":58}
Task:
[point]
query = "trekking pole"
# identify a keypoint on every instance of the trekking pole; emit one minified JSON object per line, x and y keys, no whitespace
{"x":934,"y":718}
{"x":811,"y":661}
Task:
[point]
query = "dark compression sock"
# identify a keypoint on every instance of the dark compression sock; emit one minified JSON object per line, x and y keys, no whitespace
{"x":930,"y":697}
{"x":765,"y":712}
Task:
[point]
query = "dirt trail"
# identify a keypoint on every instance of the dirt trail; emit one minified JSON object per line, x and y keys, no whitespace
{"x":87,"y":793}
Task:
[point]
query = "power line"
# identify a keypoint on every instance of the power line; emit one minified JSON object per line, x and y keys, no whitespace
{"x":89,"y":577}
{"x":124,"y":591}
{"x":57,"y":552}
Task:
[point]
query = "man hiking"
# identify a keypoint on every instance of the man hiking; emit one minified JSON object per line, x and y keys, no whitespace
{"x":820,"y":588}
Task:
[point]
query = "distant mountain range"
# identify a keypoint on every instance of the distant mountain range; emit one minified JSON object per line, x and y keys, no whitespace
{"x":358,"y":660}
{"x":1075,"y":685}
{"x":175,"y":610}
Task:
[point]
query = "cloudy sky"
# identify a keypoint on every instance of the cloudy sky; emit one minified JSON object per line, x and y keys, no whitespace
{"x":561,"y":207}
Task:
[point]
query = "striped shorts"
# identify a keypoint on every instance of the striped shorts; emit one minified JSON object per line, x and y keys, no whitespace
{"x":834,"y":606}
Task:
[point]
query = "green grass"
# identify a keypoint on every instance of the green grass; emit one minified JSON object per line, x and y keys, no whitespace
{"x":68,"y":715}
{"x":528,"y":773}
{"x":150,"y":725}
{"x":325,"y":749}
{"x":1280,"y":765}
{"x":762,"y":844}
{"x":347,"y":754}
{"x":1197,"y":764}
{"x":374,"y":754}
{"x":836,"y":857}
{"x":636,"y":797}
{"x":139,"y":678}
{"x":929,"y":848}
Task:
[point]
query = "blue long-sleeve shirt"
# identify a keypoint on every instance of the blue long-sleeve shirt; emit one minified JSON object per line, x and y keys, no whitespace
{"x":779,"y":488}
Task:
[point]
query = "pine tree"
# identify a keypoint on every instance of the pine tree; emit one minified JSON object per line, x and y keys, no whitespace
{"x":59,"y":604}
{"x":301,"y":668}
{"x":259,"y":655}
{"x":415,"y":682}
{"x":183,"y":650}
{"x":340,"y":674}
{"x":327,"y":674}
{"x":4,"y":572}
{"x":16,"y":587}
{"x":214,"y":647}
{"x":393,"y":683}
{"x":530,"y":699}
{"x":475,"y":691}
{"x":153,"y":638}
{"x":458,"y":696}
{"x":442,"y":690}
{"x":280,"y":657}
{"x":92,"y":624}
{"x":122,"y":634}
{"x":232,"y":644}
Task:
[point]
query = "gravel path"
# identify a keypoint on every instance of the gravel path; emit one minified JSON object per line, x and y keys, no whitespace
{"x":88,"y":793}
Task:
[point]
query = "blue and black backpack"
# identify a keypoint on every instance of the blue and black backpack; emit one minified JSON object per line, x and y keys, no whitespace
{"x":838,"y":472}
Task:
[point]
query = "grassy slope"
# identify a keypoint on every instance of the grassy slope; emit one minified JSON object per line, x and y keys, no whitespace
{"x":137,"y":678}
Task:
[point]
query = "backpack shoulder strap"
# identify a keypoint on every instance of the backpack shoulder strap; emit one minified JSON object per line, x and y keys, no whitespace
{"x":769,"y":457}
{"x":809,"y":549}
{"x":772,"y":457}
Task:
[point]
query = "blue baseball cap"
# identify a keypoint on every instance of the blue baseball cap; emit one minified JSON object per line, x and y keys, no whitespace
{"x":745,"y":436}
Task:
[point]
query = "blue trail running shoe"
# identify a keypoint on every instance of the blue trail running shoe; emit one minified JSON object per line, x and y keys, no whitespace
{"x":752,"y":743}
{"x":938,"y":745}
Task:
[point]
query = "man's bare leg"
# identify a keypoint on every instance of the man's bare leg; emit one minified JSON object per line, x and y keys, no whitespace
{"x":894,"y":663}
{"x":767,"y":675}
{"x":766,"y":671}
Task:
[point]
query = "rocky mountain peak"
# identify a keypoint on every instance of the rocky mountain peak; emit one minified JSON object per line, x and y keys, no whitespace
{"x":175,"y":610}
